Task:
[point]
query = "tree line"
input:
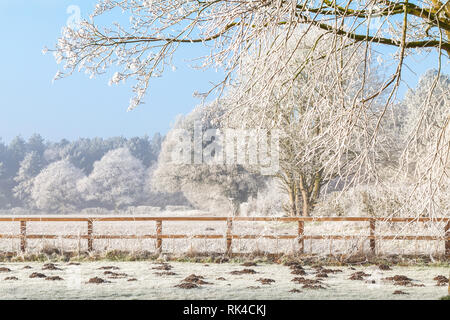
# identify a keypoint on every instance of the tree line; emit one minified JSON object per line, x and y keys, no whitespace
{"x":89,"y":172}
{"x":117,"y":173}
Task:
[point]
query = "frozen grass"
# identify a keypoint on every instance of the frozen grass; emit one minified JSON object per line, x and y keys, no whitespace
{"x":151,"y":286}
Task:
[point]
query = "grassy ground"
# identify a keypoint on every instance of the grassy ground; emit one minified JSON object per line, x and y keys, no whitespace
{"x":55,"y":255}
{"x":231,"y":281}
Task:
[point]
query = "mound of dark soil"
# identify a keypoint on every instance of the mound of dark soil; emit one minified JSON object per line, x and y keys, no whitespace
{"x":441,"y":281}
{"x":221,"y":278}
{"x":187,"y":285}
{"x":321,"y":275}
{"x":165,"y":273}
{"x":244,"y":271}
{"x":50,"y":266}
{"x":398,"y":278}
{"x":384,"y":267}
{"x":327,"y":271}
{"x":440,"y":278}
{"x":195,"y":279}
{"x":294,"y":291}
{"x":11,"y":278}
{"x":37,"y":275}
{"x":295,"y":266}
{"x":74,"y":264}
{"x":399,"y":292}
{"x":299,"y":272}
{"x":312,"y":286}
{"x":54,"y":278}
{"x":3,"y":269}
{"x":109,"y":268}
{"x":302,"y":280}
{"x":253,"y":287}
{"x":359,"y":275}
{"x":27,"y":267}
{"x":97,"y":280}
{"x":132,"y":279}
{"x":266,"y":280}
{"x":115,"y":275}
{"x":165,"y":267}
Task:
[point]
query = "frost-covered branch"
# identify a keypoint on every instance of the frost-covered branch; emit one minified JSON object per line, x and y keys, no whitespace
{"x":145,"y":47}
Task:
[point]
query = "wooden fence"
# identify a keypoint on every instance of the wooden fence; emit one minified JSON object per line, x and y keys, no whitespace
{"x":228,"y":236}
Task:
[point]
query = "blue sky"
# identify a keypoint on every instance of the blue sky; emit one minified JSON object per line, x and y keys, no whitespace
{"x":80,"y":107}
{"x":77,"y":106}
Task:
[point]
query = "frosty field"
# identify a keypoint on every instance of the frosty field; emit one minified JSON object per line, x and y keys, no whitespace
{"x":215,"y":281}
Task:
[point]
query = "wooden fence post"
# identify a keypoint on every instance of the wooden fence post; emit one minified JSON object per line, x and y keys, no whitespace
{"x":229,"y":251}
{"x":372,"y":235}
{"x":23,"y":236}
{"x":447,"y":241}
{"x":158,"y":236}
{"x":301,"y":241}
{"x":90,"y":240}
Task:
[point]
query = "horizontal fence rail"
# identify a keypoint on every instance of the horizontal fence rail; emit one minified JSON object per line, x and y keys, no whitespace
{"x":228,"y":236}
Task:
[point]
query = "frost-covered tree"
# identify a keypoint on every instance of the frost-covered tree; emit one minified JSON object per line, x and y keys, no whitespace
{"x":428,"y":116}
{"x":3,"y":198}
{"x":24,"y":159}
{"x":36,"y":144}
{"x":156,"y":144}
{"x":17,"y":150}
{"x":144,"y":48}
{"x":116,"y":181}
{"x":155,"y":197}
{"x":206,"y":184}
{"x":143,"y":149}
{"x":317,"y":144}
{"x":30,"y":167}
{"x":53,"y":151}
{"x":423,"y":187}
{"x":427,"y":107}
{"x":3,"y":157}
{"x":84,"y":152}
{"x":55,"y":188}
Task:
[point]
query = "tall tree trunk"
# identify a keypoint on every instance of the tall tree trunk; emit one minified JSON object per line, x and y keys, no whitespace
{"x":315,"y":192}
{"x":305,"y":196}
{"x":298,"y":202}
{"x":306,"y":204}
{"x":291,"y":190}
{"x":236,"y":206}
